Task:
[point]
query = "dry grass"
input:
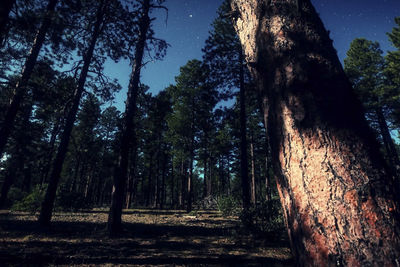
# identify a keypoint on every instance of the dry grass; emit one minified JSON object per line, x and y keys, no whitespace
{"x":151,"y":237}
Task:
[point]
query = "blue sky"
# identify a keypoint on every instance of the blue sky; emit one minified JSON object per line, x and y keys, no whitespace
{"x":189,"y":22}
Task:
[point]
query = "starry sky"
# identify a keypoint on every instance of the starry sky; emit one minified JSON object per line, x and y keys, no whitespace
{"x":189,"y":22}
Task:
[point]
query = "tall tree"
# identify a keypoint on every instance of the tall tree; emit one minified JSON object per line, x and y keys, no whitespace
{"x":20,"y":88}
{"x":364,"y":66}
{"x":144,"y":40}
{"x":338,"y":199}
{"x":223,"y":54}
{"x":392,"y":70}
{"x":100,"y":17}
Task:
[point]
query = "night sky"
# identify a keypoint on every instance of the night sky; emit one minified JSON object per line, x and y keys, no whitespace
{"x":189,"y":22}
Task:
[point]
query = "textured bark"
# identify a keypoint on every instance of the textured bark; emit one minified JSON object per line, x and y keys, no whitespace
{"x":5,"y":9}
{"x":20,"y":88}
{"x":48,"y":203}
{"x":114,"y":218}
{"x":338,"y":199}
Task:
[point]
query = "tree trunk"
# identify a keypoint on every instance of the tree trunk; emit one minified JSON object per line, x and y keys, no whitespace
{"x":181,"y":189}
{"x":5,"y":9}
{"x":8,"y":181}
{"x":205,"y":191}
{"x":338,"y":199}
{"x":132,"y":175}
{"x":388,"y":142}
{"x":47,"y":205}
{"x":189,"y":194}
{"x":20,"y":88}
{"x":163,"y":174}
{"x":253,"y":173}
{"x":243,"y":140}
{"x":149,"y":183}
{"x":209,"y":184}
{"x":114,"y":218}
{"x":173,"y":199}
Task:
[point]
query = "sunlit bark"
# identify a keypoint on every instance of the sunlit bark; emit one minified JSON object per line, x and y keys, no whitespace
{"x":337,"y":196}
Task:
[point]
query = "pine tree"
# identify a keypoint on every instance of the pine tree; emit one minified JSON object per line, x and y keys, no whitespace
{"x":20,"y":87}
{"x":338,"y":199}
{"x":143,"y":43}
{"x":392,"y":70}
{"x":223,"y":54}
{"x":364,"y":67}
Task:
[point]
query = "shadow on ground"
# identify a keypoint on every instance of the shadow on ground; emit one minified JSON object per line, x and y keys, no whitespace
{"x":150,"y":238}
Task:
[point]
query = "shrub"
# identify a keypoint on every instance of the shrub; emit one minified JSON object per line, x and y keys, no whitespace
{"x":32,"y":202}
{"x":15,"y":194}
{"x":71,"y":201}
{"x":228,"y":206}
{"x":264,"y":218}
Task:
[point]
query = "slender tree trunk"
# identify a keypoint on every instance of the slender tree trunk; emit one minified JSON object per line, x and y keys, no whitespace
{"x":47,"y":205}
{"x":8,"y":180}
{"x":253,"y":173}
{"x":5,"y":9}
{"x":205,"y":186}
{"x":181,"y":189}
{"x":243,"y":140}
{"x":209,"y":184}
{"x":388,"y":141}
{"x":149,"y":189}
{"x":163,"y":173}
{"x":114,"y":218}
{"x":338,"y":199}
{"x":189,"y":194}
{"x":50,"y":153}
{"x":173,"y":199}
{"x":132,"y":176}
{"x":20,"y":88}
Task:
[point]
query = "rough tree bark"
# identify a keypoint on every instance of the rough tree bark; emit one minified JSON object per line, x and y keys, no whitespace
{"x":20,"y":88}
{"x":338,"y":199}
{"x":48,"y":203}
{"x":120,"y":175}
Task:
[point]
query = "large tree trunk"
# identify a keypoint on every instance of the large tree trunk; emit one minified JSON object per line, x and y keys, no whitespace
{"x":20,"y":88}
{"x":5,"y":9}
{"x":338,"y":199}
{"x":48,"y":203}
{"x":114,"y":218}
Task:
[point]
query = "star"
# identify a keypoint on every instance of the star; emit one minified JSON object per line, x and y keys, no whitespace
{"x":190,"y":16}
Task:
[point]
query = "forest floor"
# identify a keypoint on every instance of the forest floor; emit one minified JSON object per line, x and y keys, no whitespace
{"x":151,"y":237}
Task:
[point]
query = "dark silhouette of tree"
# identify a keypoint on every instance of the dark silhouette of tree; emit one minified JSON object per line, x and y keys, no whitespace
{"x":144,"y":41}
{"x":5,"y":9}
{"x":20,"y":88}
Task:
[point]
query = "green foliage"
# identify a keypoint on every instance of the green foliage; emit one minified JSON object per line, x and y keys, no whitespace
{"x":15,"y":194}
{"x":32,"y":202}
{"x":71,"y":201}
{"x":265,"y":218}
{"x":392,"y":73}
{"x":228,"y":206}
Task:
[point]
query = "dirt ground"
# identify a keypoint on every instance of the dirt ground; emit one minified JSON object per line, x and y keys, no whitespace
{"x":151,"y":237}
